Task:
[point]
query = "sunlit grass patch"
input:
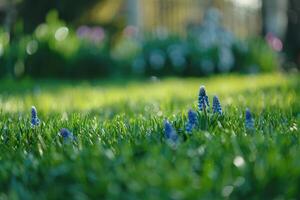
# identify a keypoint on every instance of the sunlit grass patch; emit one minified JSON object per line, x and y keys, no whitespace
{"x":83,"y":96}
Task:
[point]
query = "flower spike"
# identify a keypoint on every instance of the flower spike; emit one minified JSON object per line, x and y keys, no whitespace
{"x":203,"y":102}
{"x":170,"y":132}
{"x":66,"y":134}
{"x":249,"y":122}
{"x":34,"y":118}
{"x":192,"y":121}
{"x":217,"y":108}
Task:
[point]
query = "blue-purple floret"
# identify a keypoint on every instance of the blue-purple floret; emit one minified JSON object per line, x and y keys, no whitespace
{"x":249,"y":122}
{"x":192,"y":121}
{"x":170,"y":132}
{"x":66,"y":134}
{"x":34,"y":118}
{"x":217,"y":108}
{"x":203,"y":102}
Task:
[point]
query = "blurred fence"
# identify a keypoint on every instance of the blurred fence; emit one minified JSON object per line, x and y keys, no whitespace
{"x":178,"y":15}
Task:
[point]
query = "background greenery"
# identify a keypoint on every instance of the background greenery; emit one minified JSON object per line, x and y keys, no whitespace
{"x":57,"y":50}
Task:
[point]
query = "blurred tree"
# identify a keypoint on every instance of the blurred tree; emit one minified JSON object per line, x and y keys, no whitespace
{"x":281,"y":18}
{"x":134,"y":13}
{"x":274,"y":17}
{"x":8,"y":14}
{"x":292,"y":39}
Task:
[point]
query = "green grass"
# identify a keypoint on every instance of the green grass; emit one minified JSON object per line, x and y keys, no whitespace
{"x":120,"y":151}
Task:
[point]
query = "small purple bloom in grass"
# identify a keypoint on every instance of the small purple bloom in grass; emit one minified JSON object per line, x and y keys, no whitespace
{"x":34,"y":118}
{"x":203,"y":102}
{"x":217,"y":106}
{"x":249,"y":122}
{"x":66,"y":134}
{"x":170,"y":132}
{"x":192,"y":121}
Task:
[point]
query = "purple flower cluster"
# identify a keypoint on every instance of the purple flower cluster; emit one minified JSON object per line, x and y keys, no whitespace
{"x":203,"y":102}
{"x":35,"y":121}
{"x":93,"y":34}
{"x":170,"y":133}
{"x":203,"y":105}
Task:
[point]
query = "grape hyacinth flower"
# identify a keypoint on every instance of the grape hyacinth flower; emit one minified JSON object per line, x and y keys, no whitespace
{"x":203,"y":102}
{"x":249,"y":122}
{"x":66,"y":134}
{"x":192,"y":121}
{"x":170,"y":132}
{"x":34,"y":118}
{"x":216,"y":107}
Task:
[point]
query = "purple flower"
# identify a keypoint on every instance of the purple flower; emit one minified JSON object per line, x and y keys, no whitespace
{"x":34,"y":118}
{"x":217,"y":106}
{"x":203,"y":102}
{"x":83,"y":31}
{"x":170,"y":132}
{"x":66,"y":134}
{"x":249,"y":122}
{"x":97,"y":34}
{"x":192,"y":121}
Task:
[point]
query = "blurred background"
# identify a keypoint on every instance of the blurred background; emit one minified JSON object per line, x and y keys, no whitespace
{"x":142,"y":38}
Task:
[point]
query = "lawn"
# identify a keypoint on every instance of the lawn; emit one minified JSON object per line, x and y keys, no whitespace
{"x":119,"y":149}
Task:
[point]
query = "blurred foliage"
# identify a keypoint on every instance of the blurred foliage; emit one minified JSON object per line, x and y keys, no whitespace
{"x":34,"y":12}
{"x":173,"y":55}
{"x":56,"y":50}
{"x":292,"y":39}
